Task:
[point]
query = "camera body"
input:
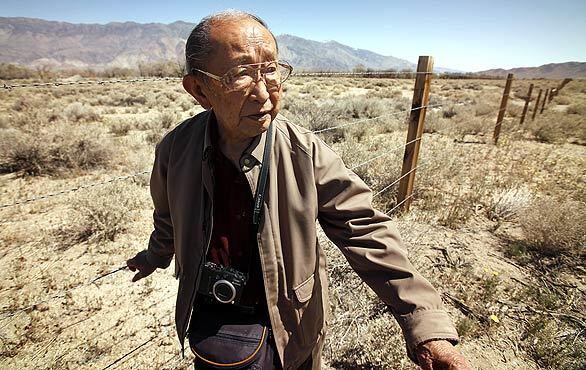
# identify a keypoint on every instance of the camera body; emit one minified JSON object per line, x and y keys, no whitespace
{"x":224,"y":284}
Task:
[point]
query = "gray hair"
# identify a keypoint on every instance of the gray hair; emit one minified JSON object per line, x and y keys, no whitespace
{"x":199,"y":47}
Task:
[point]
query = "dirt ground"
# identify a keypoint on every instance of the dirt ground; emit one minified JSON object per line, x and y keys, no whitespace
{"x":516,"y":304}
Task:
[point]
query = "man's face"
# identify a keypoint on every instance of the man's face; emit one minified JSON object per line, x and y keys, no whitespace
{"x":241,"y":114}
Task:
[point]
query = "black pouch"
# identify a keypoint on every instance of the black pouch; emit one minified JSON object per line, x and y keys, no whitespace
{"x":223,"y":338}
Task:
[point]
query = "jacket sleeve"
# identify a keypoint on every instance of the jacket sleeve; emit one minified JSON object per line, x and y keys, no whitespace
{"x":161,"y":247}
{"x":372,"y":245}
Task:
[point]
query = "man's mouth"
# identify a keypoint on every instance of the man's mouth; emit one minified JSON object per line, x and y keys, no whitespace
{"x":260,"y":116}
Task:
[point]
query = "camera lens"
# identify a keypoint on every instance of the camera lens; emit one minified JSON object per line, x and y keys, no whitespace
{"x":224,"y":291}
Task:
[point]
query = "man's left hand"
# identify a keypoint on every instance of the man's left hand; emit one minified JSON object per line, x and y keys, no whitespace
{"x":439,"y":355}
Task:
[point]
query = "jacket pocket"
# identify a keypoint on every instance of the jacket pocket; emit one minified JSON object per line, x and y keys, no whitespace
{"x":304,"y":291}
{"x":308,"y":309}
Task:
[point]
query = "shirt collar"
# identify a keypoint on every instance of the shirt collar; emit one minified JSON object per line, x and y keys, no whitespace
{"x":251,"y":156}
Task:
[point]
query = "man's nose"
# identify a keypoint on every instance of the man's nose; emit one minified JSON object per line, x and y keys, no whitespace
{"x":259,"y":91}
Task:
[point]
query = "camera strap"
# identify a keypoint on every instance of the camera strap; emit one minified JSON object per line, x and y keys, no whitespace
{"x":262,"y":179}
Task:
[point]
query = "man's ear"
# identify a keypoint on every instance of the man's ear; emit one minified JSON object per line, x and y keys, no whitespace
{"x":194,"y":87}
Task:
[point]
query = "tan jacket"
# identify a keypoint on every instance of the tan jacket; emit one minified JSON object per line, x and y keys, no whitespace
{"x":307,"y":182}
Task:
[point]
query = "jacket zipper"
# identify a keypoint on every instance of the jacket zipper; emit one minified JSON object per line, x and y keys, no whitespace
{"x":208,"y":239}
{"x":192,"y":299}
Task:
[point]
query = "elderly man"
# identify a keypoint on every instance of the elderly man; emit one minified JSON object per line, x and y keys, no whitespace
{"x":237,"y":191}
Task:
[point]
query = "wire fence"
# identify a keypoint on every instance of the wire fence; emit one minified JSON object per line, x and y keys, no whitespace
{"x":88,"y":82}
{"x":6,"y":86}
{"x":11,"y":313}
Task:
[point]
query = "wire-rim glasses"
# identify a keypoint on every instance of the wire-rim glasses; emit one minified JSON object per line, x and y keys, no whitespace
{"x":239,"y":78}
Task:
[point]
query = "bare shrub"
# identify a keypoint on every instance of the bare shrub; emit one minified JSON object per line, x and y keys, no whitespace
{"x":554,"y":351}
{"x":61,"y":148}
{"x":21,"y":152}
{"x":154,"y":137}
{"x":514,"y":110}
{"x":449,"y":112}
{"x":562,"y":100}
{"x":79,"y":112}
{"x":553,"y":227}
{"x":456,"y":211}
{"x":577,"y":108}
{"x":361,"y":107}
{"x":167,"y":119}
{"x":25,"y":103}
{"x":482,"y":109}
{"x":555,"y":128}
{"x":121,"y":128}
{"x":103,"y":213}
{"x":315,"y":117}
{"x":506,"y":205}
{"x":119,"y":99}
{"x":10,"y":71}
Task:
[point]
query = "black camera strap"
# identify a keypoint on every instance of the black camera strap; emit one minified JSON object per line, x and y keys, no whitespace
{"x":262,"y":179}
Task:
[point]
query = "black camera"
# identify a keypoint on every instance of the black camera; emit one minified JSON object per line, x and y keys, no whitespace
{"x":222,"y":283}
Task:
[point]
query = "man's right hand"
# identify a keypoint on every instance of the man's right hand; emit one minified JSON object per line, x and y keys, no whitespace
{"x":140,"y":263}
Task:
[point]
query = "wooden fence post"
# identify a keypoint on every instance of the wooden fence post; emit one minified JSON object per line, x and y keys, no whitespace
{"x":536,"y":105}
{"x":501,"y":115}
{"x":526,"y":107}
{"x":544,"y":100}
{"x":416,"y":123}
{"x":552,"y":93}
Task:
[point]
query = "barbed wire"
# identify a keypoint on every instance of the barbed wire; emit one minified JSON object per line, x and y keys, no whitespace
{"x":401,"y":203}
{"x":88,"y":82}
{"x":420,"y":165}
{"x":129,"y":354}
{"x":405,"y":74}
{"x":71,"y":351}
{"x":157,"y":79}
{"x":358,"y":74}
{"x":384,"y":154}
{"x":70,"y":190}
{"x":356,"y":122}
{"x":10,"y":313}
{"x":386,"y":115}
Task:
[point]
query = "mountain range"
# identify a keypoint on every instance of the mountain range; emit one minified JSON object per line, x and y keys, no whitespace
{"x":35,"y":42}
{"x":552,"y":71}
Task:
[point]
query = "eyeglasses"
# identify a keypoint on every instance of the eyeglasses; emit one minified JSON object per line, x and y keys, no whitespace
{"x":239,"y":78}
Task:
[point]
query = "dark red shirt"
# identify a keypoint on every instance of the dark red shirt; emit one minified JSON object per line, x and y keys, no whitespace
{"x":233,"y":242}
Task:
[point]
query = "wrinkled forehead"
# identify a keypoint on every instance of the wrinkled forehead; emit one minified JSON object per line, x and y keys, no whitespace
{"x":243,"y":41}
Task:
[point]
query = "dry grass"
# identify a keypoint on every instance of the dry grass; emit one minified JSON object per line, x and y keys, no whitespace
{"x":499,"y":230}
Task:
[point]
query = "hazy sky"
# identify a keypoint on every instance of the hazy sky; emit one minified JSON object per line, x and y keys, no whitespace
{"x":465,"y":35}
